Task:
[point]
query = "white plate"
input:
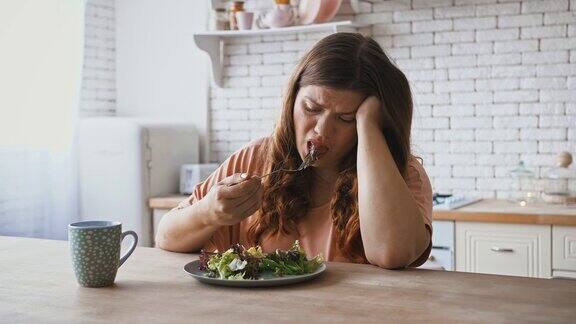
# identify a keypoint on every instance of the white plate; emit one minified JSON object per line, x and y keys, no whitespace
{"x":267,"y":280}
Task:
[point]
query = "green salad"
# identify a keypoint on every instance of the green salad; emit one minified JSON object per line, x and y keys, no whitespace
{"x":238,"y":263}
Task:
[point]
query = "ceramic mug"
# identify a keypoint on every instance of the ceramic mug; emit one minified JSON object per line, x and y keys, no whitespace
{"x":95,"y":251}
{"x":244,"y":20}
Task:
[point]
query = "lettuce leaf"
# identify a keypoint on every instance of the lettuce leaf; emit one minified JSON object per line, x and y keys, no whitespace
{"x":238,"y":263}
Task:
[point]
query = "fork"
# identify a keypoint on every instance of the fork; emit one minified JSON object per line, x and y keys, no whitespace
{"x":305,"y":163}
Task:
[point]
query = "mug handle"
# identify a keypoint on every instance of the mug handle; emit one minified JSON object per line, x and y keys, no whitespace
{"x":129,"y":252}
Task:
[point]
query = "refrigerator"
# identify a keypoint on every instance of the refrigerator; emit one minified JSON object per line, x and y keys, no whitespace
{"x":123,"y":162}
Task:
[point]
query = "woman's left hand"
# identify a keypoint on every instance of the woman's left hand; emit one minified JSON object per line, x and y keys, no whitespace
{"x":370,"y":110}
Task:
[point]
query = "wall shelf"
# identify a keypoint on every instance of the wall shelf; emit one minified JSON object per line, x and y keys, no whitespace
{"x":355,"y":4}
{"x":212,"y":42}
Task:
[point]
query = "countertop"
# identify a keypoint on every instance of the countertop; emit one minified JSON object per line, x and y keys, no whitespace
{"x":37,"y":285}
{"x":487,"y":210}
{"x":502,"y":211}
{"x":167,"y":202}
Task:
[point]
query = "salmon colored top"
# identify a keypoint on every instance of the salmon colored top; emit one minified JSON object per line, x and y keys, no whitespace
{"x":316,"y":232}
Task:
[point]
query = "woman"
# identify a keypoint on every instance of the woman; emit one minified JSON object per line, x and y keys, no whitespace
{"x":366,"y":199}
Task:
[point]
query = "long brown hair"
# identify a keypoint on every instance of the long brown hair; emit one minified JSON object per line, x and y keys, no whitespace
{"x":341,"y":61}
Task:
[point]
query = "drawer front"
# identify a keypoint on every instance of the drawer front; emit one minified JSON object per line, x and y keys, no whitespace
{"x":558,"y":274}
{"x":505,"y":249}
{"x":564,"y":248}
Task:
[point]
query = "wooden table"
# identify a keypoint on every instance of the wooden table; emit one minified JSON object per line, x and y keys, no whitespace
{"x":37,"y":285}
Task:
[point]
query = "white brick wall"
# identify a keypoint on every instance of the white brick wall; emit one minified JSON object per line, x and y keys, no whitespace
{"x":494,"y":83}
{"x":98,"y":97}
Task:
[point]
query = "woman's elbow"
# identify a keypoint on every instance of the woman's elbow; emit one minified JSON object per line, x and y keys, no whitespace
{"x":389,"y":261}
{"x":396,"y":258}
{"x":167,"y":242}
{"x":165,"y":238}
{"x":162,"y":242}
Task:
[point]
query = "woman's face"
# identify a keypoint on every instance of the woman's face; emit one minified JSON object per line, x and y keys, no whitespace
{"x":326,"y":117}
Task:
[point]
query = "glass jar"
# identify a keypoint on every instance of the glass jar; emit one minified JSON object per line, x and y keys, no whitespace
{"x":559,"y":182}
{"x":219,"y":19}
{"x":522,"y":186}
{"x":236,"y":6}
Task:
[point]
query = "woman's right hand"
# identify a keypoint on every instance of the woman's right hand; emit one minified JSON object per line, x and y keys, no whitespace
{"x":233,"y":199}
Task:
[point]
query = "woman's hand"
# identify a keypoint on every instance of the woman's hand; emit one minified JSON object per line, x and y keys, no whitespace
{"x":370,"y":110}
{"x":233,"y":199}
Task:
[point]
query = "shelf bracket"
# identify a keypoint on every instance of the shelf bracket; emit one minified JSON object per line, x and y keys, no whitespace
{"x":213,"y":47}
{"x":213,"y":42}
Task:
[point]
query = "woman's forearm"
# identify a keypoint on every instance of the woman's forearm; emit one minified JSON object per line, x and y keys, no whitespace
{"x":392,"y":227}
{"x":186,"y":229}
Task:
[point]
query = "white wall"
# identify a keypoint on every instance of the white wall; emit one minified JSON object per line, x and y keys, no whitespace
{"x":99,"y":71}
{"x":494,"y":83}
{"x":159,"y":71}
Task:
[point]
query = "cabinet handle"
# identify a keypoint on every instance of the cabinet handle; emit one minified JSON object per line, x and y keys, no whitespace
{"x":499,"y":249}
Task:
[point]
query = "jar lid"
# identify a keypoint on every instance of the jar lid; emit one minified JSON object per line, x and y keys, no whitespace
{"x":237,"y":5}
{"x":521,"y":171}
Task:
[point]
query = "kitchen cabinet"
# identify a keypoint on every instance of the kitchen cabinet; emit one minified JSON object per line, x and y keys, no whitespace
{"x":500,"y":237}
{"x":564,"y":251}
{"x":506,"y":249}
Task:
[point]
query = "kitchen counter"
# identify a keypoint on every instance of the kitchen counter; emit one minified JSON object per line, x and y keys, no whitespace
{"x":502,"y":211}
{"x":37,"y":285}
{"x":168,"y":202}
{"x":487,"y":210}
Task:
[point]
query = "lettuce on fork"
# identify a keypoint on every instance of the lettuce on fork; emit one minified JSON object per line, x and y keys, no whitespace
{"x":239,"y":263}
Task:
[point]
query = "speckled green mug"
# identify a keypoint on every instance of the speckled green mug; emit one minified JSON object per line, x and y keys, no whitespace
{"x":95,"y":251}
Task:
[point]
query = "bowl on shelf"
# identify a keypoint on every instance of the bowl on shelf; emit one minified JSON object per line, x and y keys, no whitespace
{"x":317,"y":11}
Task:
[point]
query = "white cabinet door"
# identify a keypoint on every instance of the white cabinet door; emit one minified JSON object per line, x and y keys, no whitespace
{"x":443,"y":244}
{"x":564,"y":248}
{"x":506,"y":249}
{"x":444,"y":258}
{"x":443,"y":234}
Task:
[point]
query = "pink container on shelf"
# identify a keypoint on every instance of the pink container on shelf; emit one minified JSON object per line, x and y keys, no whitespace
{"x":317,"y":11}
